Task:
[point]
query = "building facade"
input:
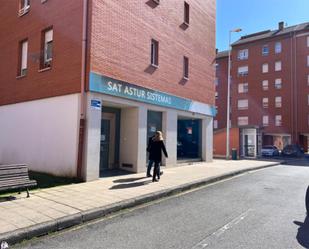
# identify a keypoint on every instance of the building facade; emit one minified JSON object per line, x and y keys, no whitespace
{"x":270,"y":88}
{"x":84,"y":85}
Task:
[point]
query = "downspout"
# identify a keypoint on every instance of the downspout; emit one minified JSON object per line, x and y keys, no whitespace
{"x":82,"y":120}
{"x":296,"y":89}
{"x":292,"y":88}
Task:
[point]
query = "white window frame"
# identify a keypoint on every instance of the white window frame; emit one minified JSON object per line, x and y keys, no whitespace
{"x":265,"y":85}
{"x":24,"y":8}
{"x":307,"y":60}
{"x":215,"y":124}
{"x":24,"y":58}
{"x":308,"y":79}
{"x":243,"y":54}
{"x":278,"y":47}
{"x":242,"y":104}
{"x":48,"y":38}
{"x":154,"y":53}
{"x":243,"y":87}
{"x":216,"y":95}
{"x":278,"y":102}
{"x":244,"y":120}
{"x":278,"y":83}
{"x":265,"y":102}
{"x":265,"y":50}
{"x":278,"y":66}
{"x":308,"y":99}
{"x":265,"y":68}
{"x":243,"y":71}
{"x":278,"y":120}
{"x":265,"y":120}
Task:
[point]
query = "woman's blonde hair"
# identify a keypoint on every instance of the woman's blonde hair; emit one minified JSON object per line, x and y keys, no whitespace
{"x":159,"y":136}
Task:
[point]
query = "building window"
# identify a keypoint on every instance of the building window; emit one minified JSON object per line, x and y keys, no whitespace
{"x":278,"y":47}
{"x":186,"y":13}
{"x":265,"y":85}
{"x":216,"y":81}
{"x":308,"y":120}
{"x":265,"y":102}
{"x":278,"y":66}
{"x":308,"y":41}
{"x":243,"y":88}
{"x":278,"y":102}
{"x":47,"y":48}
{"x":265,"y":50}
{"x":242,"y":104}
{"x":24,"y":7}
{"x":243,"y":54}
{"x":243,"y":71}
{"x":265,"y":68}
{"x":308,"y":79}
{"x":154,"y":53}
{"x":265,"y":120}
{"x":23,"y":57}
{"x":215,"y":124}
{"x":242,"y":121}
{"x":216,"y":95}
{"x":307,"y":60}
{"x":308,"y":99}
{"x":185,"y":68}
{"x":278,"y":83}
{"x":278,"y":120}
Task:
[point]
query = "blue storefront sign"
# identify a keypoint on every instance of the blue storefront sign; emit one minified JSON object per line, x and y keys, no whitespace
{"x":95,"y":104}
{"x":106,"y":85}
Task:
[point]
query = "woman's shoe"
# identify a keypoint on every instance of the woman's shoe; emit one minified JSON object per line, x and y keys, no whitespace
{"x":155,"y":180}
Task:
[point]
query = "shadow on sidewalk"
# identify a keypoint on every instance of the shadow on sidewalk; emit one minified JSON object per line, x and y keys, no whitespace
{"x":303,"y":232}
{"x":129,"y":179}
{"x":130,"y":185}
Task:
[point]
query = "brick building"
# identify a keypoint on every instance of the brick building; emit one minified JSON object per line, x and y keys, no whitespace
{"x":269,"y":89}
{"x":84,"y":83}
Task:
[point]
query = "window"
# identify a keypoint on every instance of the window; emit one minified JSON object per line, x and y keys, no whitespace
{"x":265,"y":120}
{"x":265,"y":68}
{"x":186,"y":13}
{"x":278,"y":120}
{"x":278,"y":47}
{"x":243,"y":54}
{"x":154,"y":53}
{"x":215,"y":124}
{"x":278,"y":102}
{"x":243,"y":88}
{"x":265,"y":85}
{"x":185,"y":68}
{"x":216,"y":95}
{"x":307,"y":41}
{"x":308,"y":120}
{"x":47,"y":48}
{"x":242,"y":104}
{"x":308,"y":99}
{"x":278,"y":66}
{"x":308,"y":79}
{"x":265,"y":102}
{"x":216,"y":81}
{"x":265,"y":50}
{"x":242,"y":121}
{"x":23,"y":55}
{"x":278,"y":83}
{"x":243,"y":71}
{"x":24,"y":7}
{"x":307,"y":60}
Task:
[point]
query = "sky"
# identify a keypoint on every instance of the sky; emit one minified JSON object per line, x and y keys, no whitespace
{"x":256,"y":15}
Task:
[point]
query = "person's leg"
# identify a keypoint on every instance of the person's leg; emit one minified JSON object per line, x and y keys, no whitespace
{"x":150,"y":163}
{"x":155,"y":171}
{"x":158,"y":171}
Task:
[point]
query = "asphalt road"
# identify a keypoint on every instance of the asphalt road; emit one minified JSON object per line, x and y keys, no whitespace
{"x":263,"y":209}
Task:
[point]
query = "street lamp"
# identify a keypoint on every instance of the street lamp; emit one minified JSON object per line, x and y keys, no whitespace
{"x":228,"y":96}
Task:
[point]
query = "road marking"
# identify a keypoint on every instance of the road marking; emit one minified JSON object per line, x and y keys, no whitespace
{"x":207,"y":240}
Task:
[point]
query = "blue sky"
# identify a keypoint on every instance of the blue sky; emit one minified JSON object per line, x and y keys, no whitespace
{"x":256,"y":15}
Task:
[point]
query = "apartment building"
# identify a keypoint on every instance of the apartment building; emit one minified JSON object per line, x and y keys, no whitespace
{"x":270,"y":88}
{"x":84,"y":83}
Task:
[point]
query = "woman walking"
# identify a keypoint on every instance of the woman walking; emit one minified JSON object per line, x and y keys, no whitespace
{"x":155,"y":148}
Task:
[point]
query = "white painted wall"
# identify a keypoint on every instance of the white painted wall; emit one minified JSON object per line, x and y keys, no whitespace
{"x":207,"y":139}
{"x":41,"y":133}
{"x":169,"y":125}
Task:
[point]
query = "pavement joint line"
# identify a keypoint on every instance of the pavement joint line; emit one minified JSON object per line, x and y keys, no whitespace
{"x":104,"y":211}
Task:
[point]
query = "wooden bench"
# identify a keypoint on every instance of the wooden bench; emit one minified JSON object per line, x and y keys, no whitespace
{"x":15,"y":176}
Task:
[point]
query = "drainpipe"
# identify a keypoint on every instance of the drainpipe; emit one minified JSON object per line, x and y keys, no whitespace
{"x":82,"y":120}
{"x":296,"y":89}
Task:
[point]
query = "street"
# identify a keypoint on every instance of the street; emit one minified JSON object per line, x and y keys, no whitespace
{"x":261,"y":209}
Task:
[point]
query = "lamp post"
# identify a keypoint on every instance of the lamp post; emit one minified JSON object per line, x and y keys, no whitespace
{"x":228,"y":96}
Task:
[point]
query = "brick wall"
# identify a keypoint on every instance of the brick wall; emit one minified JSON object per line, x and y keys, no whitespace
{"x":64,"y":76}
{"x":121,"y":34}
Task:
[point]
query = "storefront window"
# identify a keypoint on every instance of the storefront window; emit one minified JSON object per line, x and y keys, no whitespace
{"x":154,"y":123}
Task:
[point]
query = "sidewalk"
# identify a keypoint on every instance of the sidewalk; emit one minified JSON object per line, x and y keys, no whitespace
{"x":53,"y":209}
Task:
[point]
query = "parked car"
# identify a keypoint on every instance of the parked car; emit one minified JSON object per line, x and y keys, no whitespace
{"x":292,"y":150}
{"x":270,"y":150}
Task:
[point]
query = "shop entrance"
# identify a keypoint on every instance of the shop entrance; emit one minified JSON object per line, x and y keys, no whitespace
{"x":188,"y":139}
{"x":109,"y":141}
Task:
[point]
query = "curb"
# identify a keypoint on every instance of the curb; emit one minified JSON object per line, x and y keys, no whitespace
{"x":28,"y":233}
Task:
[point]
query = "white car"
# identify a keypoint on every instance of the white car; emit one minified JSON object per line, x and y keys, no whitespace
{"x":270,"y":150}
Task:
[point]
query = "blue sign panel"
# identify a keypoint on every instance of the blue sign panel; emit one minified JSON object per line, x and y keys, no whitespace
{"x":96,"y":104}
{"x":103,"y":84}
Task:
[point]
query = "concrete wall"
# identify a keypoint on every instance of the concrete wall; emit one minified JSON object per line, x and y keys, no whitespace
{"x":42,"y":134}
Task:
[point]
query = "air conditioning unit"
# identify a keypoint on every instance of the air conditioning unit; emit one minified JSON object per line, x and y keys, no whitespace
{"x":24,"y":10}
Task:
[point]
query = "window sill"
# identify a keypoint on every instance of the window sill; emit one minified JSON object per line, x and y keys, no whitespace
{"x":186,"y":24}
{"x":44,"y":69}
{"x":21,"y":76}
{"x":154,"y":65}
{"x":23,"y":12}
{"x":185,"y":78}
